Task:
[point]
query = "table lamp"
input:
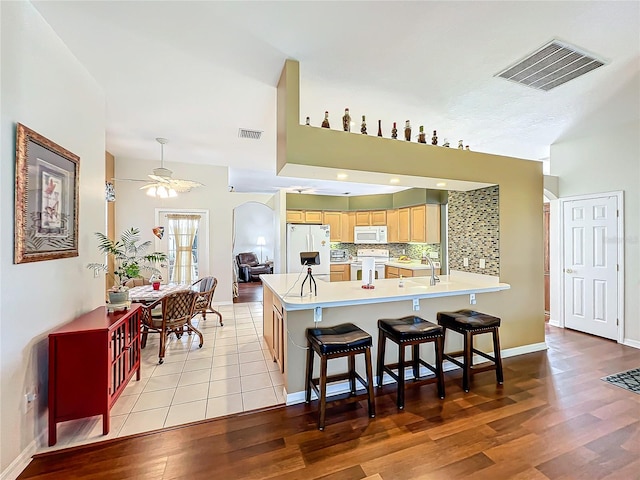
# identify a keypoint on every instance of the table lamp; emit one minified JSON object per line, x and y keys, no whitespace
{"x":261,"y":243}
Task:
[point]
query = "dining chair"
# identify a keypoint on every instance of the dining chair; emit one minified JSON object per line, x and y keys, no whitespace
{"x":205,"y":287}
{"x":174,"y":317}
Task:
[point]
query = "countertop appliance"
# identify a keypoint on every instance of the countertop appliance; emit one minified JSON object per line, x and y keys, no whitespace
{"x":380,"y":257}
{"x":371,"y":235}
{"x":308,"y":238}
{"x":339,"y":255}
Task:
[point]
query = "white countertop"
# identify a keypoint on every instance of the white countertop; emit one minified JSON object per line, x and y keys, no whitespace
{"x":337,"y":294}
{"x":412,"y":265}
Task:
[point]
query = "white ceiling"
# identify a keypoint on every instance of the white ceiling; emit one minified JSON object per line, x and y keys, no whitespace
{"x":196,"y":72}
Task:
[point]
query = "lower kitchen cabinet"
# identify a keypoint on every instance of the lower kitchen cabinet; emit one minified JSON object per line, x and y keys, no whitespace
{"x":340,"y":273}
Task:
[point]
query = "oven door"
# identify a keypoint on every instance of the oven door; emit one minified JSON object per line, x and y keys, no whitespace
{"x":356,"y":271}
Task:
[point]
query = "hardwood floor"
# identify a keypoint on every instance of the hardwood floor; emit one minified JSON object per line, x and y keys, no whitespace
{"x":249,"y":292}
{"x":553,"y":419}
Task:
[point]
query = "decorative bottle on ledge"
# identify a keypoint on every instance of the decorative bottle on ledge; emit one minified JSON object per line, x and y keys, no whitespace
{"x":434,"y":139}
{"x":422,"y":138}
{"x":379,"y":128}
{"x":363,"y":127}
{"x":325,"y":122}
{"x":394,"y":131}
{"x":407,"y":131}
{"x":307,"y":122}
{"x":460,"y":146}
{"x":346,"y":121}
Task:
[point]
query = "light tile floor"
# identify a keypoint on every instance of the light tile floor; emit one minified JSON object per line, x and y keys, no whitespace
{"x":232,"y":372}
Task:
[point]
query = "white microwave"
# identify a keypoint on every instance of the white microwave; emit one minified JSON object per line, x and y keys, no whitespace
{"x":372,"y":235}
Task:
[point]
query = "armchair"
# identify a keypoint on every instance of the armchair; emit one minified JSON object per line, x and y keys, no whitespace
{"x":249,"y":268}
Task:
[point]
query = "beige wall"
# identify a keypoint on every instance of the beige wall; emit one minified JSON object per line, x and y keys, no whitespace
{"x":605,"y":162}
{"x":521,"y":190}
{"x":45,"y":88}
{"x":135,"y":209}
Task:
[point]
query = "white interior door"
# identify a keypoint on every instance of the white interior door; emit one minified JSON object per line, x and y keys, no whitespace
{"x":590,"y":266}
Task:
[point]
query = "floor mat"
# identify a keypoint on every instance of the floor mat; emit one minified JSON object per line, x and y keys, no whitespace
{"x":629,"y":380}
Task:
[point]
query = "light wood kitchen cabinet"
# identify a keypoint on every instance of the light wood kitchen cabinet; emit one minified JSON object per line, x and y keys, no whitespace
{"x":295,"y":216}
{"x":304,"y":216}
{"x":312,"y":216}
{"x":363,"y":219}
{"x":425,"y":224}
{"x":273,"y":327}
{"x":404,"y":216}
{"x":378,"y":218}
{"x":395,"y":272}
{"x":392,"y":226}
{"x":348,"y":224}
{"x":334,"y":220}
{"x":340,"y":273}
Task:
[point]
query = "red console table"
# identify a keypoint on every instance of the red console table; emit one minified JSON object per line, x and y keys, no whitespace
{"x":91,"y":360}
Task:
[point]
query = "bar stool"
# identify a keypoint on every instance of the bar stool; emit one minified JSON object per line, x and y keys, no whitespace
{"x":470,"y":323}
{"x":410,"y":331}
{"x":345,"y":340}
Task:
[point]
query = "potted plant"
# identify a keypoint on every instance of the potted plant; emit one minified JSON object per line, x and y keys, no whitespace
{"x":130,"y":259}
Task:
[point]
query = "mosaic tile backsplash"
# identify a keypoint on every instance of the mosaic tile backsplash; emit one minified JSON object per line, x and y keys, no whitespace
{"x":413,"y":250}
{"x":474,"y":230}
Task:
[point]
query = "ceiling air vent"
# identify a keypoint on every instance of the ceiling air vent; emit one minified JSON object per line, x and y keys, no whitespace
{"x":551,"y":65}
{"x":252,"y":134}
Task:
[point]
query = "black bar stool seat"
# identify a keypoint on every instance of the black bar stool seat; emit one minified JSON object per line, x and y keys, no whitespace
{"x":410,"y":331}
{"x":470,"y":323}
{"x":345,"y":340}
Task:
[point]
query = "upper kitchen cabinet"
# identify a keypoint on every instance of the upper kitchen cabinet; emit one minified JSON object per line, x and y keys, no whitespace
{"x":304,"y":216}
{"x":404,"y":220}
{"x":425,"y":224}
{"x":334,"y":220}
{"x":392,"y":226}
{"x":348,"y":224}
{"x":368,"y":218}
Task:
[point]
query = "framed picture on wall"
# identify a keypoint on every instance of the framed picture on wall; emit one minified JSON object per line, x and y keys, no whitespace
{"x":46,"y":202}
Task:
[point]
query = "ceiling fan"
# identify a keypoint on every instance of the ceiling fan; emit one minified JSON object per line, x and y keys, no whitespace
{"x":162,"y":184}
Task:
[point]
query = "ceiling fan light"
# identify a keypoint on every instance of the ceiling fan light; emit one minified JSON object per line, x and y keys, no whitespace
{"x":172,"y":193}
{"x":162,"y":192}
{"x":151,"y":191}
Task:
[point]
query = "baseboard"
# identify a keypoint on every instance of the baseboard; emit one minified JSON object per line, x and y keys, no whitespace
{"x":631,"y":343}
{"x":343,"y":387}
{"x":21,"y":462}
{"x":554,"y":323}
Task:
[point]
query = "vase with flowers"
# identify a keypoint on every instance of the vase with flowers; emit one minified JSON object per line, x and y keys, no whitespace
{"x":130,"y":259}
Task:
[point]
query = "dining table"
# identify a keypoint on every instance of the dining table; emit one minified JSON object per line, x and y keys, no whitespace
{"x":147,"y":294}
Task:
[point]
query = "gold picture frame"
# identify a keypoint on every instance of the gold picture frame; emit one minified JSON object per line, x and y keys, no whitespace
{"x":47,"y":199}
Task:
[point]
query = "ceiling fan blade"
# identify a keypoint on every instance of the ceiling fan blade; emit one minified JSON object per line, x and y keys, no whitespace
{"x":158,"y":178}
{"x":128,"y":180}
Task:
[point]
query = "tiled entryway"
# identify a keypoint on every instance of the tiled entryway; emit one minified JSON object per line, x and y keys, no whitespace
{"x":232,"y":372}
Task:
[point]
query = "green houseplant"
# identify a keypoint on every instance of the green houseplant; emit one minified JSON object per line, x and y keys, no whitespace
{"x":130,"y":260}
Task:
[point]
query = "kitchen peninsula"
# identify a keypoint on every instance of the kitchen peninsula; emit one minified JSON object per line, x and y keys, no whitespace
{"x":287,"y":314}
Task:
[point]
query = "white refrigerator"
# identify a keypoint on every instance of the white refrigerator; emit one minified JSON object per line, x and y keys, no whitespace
{"x":308,"y":238}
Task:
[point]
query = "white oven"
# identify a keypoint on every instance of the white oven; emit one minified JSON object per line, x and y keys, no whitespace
{"x":380,"y":256}
{"x":371,"y":235}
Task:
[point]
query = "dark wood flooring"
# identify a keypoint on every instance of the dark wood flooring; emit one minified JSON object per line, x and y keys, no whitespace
{"x":553,"y":419}
{"x":249,"y":292}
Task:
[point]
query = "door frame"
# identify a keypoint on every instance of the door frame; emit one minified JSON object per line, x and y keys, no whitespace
{"x":620,"y":233}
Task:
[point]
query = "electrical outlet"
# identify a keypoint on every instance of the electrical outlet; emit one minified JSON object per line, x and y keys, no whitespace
{"x":96,"y":273}
{"x":317,"y":314}
{"x":416,"y":304}
{"x":433,"y":254}
{"x":465,"y":261}
{"x":482,"y":263}
{"x":472,"y":299}
{"x":30,"y":399}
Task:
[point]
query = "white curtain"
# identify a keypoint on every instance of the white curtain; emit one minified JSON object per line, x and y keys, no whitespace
{"x":183,"y":229}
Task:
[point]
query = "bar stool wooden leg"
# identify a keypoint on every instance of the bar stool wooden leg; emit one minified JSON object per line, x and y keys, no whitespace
{"x":498,"y":357}
{"x":415,"y":360}
{"x":323,"y":391}
{"x":439,"y":373}
{"x":380,"y":364}
{"x":352,"y":373}
{"x":370,"y":400}
{"x":401,"y":360}
{"x":468,"y":360}
{"x":307,"y":396}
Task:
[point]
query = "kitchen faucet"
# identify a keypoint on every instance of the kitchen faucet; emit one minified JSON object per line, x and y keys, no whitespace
{"x":434,"y":279}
